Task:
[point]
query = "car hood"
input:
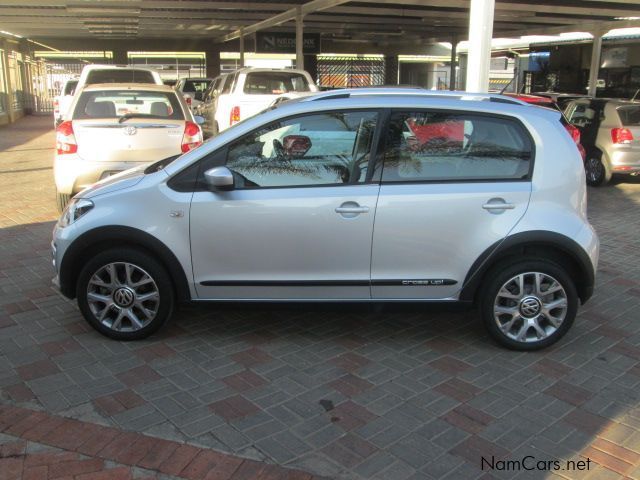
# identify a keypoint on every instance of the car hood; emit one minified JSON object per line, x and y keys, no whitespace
{"x":119,"y":181}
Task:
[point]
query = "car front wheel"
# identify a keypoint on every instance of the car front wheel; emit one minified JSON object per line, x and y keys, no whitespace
{"x":529,"y":305}
{"x":125,"y":294}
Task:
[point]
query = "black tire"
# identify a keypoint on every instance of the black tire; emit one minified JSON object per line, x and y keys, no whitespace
{"x":61,"y":200}
{"x":498,"y":276}
{"x":142,"y":260}
{"x":597,"y":171}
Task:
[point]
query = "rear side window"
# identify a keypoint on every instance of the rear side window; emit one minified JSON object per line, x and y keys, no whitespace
{"x":116,"y":103}
{"x":120,"y":76}
{"x":228,"y":83}
{"x":70,"y":87}
{"x":275,"y":83}
{"x":445,"y":146}
{"x":629,"y":115}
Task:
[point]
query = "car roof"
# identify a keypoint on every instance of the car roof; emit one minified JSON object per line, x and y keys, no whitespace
{"x":116,"y":67}
{"x":264,"y":69}
{"x":128,"y":86}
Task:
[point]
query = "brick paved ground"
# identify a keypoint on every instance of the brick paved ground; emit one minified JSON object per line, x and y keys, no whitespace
{"x":345,"y":394}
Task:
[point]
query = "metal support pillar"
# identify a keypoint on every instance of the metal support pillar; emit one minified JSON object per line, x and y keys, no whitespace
{"x":480,"y":34}
{"x":454,"y":61}
{"x":241,"y":39}
{"x":299,"y":40}
{"x":594,"y":69}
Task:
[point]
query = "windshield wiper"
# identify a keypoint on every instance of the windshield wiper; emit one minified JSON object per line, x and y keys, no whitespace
{"x":127,"y":116}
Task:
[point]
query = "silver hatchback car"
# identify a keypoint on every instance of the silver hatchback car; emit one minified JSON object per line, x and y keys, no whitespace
{"x":364,"y":195}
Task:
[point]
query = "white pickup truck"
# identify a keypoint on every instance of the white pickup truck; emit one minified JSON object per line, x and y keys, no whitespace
{"x":248,"y":91}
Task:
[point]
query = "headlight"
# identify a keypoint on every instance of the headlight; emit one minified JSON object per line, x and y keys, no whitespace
{"x":74,"y":210}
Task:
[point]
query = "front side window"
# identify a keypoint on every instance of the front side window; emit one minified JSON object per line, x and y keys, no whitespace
{"x":319,"y":149}
{"x":448,"y":146}
{"x":116,"y":103}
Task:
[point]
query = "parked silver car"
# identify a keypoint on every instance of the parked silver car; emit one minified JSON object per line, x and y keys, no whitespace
{"x":357,"y":195}
{"x":610,"y":135}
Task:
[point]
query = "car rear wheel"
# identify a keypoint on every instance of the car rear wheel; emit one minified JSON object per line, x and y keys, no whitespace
{"x":529,"y":305}
{"x":125,"y":294}
{"x":597,"y":172}
{"x":61,"y":200}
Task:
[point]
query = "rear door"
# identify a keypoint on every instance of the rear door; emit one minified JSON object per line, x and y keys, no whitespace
{"x":105,"y":133}
{"x":453,"y":184}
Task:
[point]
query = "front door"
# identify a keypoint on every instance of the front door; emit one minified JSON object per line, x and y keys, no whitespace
{"x":453,"y":184}
{"x":299,"y":222}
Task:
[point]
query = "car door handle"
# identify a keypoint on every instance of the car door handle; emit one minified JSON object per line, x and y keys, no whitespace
{"x":352,"y":209}
{"x":498,"y":206}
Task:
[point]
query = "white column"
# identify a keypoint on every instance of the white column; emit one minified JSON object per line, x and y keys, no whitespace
{"x":594,"y":69}
{"x":241,"y":39}
{"x":480,"y":34}
{"x":299,"y":40}
{"x":454,"y":58}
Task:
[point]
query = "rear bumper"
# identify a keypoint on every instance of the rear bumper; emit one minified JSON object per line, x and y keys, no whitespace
{"x":73,"y":174}
{"x":625,"y":161}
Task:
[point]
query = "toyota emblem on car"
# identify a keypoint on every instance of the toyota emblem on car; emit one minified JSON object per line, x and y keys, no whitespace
{"x":130,"y":130}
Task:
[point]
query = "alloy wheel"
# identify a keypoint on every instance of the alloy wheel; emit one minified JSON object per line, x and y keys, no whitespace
{"x":123,"y":297}
{"x":530,"y":307}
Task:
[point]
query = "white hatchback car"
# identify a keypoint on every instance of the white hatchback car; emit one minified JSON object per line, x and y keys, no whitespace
{"x":347,"y":196}
{"x":114,"y":127}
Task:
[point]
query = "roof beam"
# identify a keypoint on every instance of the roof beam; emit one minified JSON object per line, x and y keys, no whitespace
{"x":288,"y":15}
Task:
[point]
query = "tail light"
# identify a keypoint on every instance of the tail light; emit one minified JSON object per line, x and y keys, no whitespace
{"x":575,"y":134}
{"x":235,"y":115}
{"x":65,"y":139}
{"x":192,"y":137}
{"x":621,"y":135}
{"x":188,"y":100}
{"x":56,"y":106}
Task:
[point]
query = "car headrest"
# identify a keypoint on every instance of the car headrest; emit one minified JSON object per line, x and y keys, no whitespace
{"x":159,"y":109}
{"x":100,"y":109}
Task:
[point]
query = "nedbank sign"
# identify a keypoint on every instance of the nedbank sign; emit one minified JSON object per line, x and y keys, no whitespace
{"x":286,"y":42}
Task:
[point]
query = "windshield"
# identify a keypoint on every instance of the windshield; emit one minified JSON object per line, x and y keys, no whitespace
{"x":275,"y":83}
{"x":193,"y":86}
{"x":630,"y":115}
{"x":120,"y":76}
{"x":138,"y":103}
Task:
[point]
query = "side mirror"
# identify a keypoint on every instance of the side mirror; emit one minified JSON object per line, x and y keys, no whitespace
{"x":219,"y":178}
{"x":296,"y":146}
{"x":198,"y":119}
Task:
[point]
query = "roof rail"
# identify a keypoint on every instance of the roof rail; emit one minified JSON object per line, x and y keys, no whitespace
{"x":413,"y":91}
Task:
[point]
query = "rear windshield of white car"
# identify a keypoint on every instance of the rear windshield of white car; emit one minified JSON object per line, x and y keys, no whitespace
{"x":275,"y":83}
{"x":139,"y":104}
{"x":119,"y":76}
{"x":630,"y":116}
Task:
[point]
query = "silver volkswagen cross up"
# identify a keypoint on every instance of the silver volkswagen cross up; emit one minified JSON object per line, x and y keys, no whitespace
{"x":369,"y":195}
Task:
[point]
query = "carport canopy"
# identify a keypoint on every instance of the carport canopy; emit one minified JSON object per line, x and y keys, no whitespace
{"x":383,"y":26}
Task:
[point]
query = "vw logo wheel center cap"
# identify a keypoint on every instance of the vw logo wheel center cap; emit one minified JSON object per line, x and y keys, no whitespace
{"x":530,"y":306}
{"x":124,"y":297}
